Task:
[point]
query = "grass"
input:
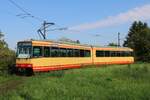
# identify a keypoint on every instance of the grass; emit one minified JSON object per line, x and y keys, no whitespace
{"x":114,"y":82}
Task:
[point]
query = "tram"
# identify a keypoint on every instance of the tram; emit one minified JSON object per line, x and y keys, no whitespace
{"x":45,"y":55}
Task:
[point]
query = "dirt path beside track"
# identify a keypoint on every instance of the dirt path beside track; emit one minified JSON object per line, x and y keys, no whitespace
{"x":10,"y":85}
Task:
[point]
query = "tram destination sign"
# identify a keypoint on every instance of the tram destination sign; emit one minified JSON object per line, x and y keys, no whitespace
{"x":24,"y":44}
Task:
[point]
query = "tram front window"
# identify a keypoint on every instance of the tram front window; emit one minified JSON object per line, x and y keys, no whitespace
{"x":23,"y":51}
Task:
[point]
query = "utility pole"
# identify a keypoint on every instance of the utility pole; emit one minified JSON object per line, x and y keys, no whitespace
{"x":118,"y":39}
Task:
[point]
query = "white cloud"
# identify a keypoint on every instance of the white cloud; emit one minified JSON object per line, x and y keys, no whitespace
{"x":139,"y":13}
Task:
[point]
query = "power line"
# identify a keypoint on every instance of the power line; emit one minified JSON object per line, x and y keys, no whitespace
{"x":42,"y":31}
{"x":13,"y":14}
{"x":25,"y":13}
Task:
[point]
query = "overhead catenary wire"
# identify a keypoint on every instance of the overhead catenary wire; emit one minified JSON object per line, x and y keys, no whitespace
{"x":25,"y":13}
{"x":13,"y":14}
{"x":45,"y":24}
{"x":24,"y":20}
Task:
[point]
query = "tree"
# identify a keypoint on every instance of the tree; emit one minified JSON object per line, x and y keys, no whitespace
{"x":7,"y":56}
{"x":3,"y":44}
{"x":113,"y":44}
{"x":138,"y":38}
{"x":78,"y":42}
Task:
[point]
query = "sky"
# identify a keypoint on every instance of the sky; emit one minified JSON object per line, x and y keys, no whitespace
{"x":95,"y":22}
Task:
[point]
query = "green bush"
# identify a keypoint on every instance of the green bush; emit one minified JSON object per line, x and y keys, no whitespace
{"x":7,"y":58}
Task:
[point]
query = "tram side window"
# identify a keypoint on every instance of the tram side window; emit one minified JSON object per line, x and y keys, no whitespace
{"x":122,"y":54}
{"x":46,"y":51}
{"x":37,"y":51}
{"x":63,"y":52}
{"x":113,"y":53}
{"x":128,"y":53}
{"x":81,"y":53}
{"x":100,"y":53}
{"x":87,"y":53}
{"x":55,"y":52}
{"x":131,"y":53}
{"x":118,"y":53}
{"x":107,"y":53}
{"x":69,"y":52}
{"x":76,"y":53}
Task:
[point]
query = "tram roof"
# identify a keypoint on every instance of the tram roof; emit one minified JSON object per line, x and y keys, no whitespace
{"x":77,"y":44}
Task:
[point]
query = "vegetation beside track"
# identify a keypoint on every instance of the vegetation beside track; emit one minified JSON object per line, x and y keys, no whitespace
{"x":115,"y":82}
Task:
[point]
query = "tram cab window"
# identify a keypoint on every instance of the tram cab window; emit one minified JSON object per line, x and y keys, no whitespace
{"x":24,"y":50}
{"x":37,"y":51}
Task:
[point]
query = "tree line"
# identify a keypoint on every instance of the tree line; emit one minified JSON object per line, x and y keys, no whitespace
{"x":7,"y":56}
{"x":138,"y":38}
